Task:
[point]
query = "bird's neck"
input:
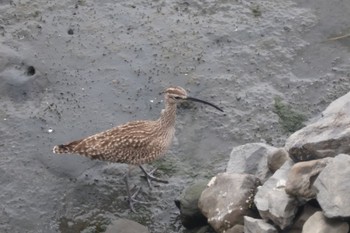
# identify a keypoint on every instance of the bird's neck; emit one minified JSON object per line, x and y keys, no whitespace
{"x":168,"y":115}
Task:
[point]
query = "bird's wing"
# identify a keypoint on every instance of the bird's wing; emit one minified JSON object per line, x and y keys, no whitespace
{"x":119,"y":144}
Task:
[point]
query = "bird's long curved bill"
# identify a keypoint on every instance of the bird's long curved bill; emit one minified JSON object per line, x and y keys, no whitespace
{"x":204,"y":102}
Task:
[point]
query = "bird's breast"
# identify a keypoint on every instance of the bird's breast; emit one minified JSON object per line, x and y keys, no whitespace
{"x":164,"y":140}
{"x":169,"y":137}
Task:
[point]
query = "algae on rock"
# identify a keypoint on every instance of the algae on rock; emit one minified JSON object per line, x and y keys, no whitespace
{"x":290,"y":119}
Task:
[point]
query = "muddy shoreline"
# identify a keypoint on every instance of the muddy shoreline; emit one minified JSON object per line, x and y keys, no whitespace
{"x":69,"y":69}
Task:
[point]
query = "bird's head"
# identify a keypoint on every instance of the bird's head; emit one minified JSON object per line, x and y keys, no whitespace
{"x":177,"y":94}
{"x":174,"y":95}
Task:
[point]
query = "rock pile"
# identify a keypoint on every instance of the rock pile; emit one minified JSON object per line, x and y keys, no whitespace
{"x":303,"y":187}
{"x":126,"y":226}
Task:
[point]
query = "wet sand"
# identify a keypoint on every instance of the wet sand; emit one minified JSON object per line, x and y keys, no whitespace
{"x":69,"y":69}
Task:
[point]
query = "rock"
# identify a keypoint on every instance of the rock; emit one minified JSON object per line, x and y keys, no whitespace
{"x":251,"y":159}
{"x":273,"y":202}
{"x":227,"y":199}
{"x":190,"y":214}
{"x":252,"y":225}
{"x":332,"y":187}
{"x":126,"y":226}
{"x":299,"y":221}
{"x":236,"y":229}
{"x":327,"y":137}
{"x":276,"y":159}
{"x":202,"y":229}
{"x":302,"y":176}
{"x":318,"y":223}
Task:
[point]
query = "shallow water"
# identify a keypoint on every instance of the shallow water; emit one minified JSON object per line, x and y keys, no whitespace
{"x":97,"y":65}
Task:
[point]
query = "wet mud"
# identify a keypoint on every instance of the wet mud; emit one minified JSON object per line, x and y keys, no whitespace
{"x":69,"y":69}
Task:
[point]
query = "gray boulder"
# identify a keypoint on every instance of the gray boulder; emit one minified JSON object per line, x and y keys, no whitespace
{"x":333,"y":187}
{"x":227,"y":199}
{"x":126,"y":226}
{"x":236,"y":229}
{"x":251,"y":159}
{"x":276,"y":159}
{"x":273,"y":202}
{"x":202,"y":229}
{"x":327,"y":137}
{"x":300,"y":220}
{"x":302,"y":176}
{"x":190,"y":214}
{"x":318,"y":223}
{"x":252,"y":225}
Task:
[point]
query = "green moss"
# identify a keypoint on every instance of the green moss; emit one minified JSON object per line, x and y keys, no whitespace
{"x":289,"y":119}
{"x":84,"y":226}
{"x":256,"y":10}
{"x":166,"y":166}
{"x":142,"y":216}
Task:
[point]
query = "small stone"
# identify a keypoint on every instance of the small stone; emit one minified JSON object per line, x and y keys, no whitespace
{"x":126,"y":226}
{"x":203,"y":229}
{"x":190,"y":214}
{"x":238,"y":228}
{"x":318,"y":223}
{"x":30,"y":70}
{"x":302,"y":176}
{"x":276,"y":159}
{"x":300,"y":220}
{"x":252,"y":225}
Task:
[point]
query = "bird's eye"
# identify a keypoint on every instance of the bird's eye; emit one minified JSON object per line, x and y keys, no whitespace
{"x":177,"y":97}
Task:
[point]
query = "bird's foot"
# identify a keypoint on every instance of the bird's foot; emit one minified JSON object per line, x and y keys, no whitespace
{"x":150,"y":177}
{"x":132,"y":196}
{"x":132,"y":200}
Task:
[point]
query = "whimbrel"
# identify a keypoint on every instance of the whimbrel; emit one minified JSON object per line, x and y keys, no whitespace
{"x":136,"y":142}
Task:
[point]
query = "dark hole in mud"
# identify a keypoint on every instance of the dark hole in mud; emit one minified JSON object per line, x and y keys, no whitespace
{"x":70,"y":31}
{"x":30,"y":70}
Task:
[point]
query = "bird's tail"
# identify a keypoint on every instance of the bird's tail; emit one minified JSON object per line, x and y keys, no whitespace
{"x":61,"y":149}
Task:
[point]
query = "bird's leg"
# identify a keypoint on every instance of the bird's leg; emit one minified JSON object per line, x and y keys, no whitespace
{"x":131,"y":197}
{"x":150,"y":177}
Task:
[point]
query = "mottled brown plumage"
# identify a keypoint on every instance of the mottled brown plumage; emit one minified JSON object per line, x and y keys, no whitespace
{"x":136,"y":142}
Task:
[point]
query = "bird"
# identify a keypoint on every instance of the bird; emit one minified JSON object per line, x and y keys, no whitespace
{"x":136,"y":142}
